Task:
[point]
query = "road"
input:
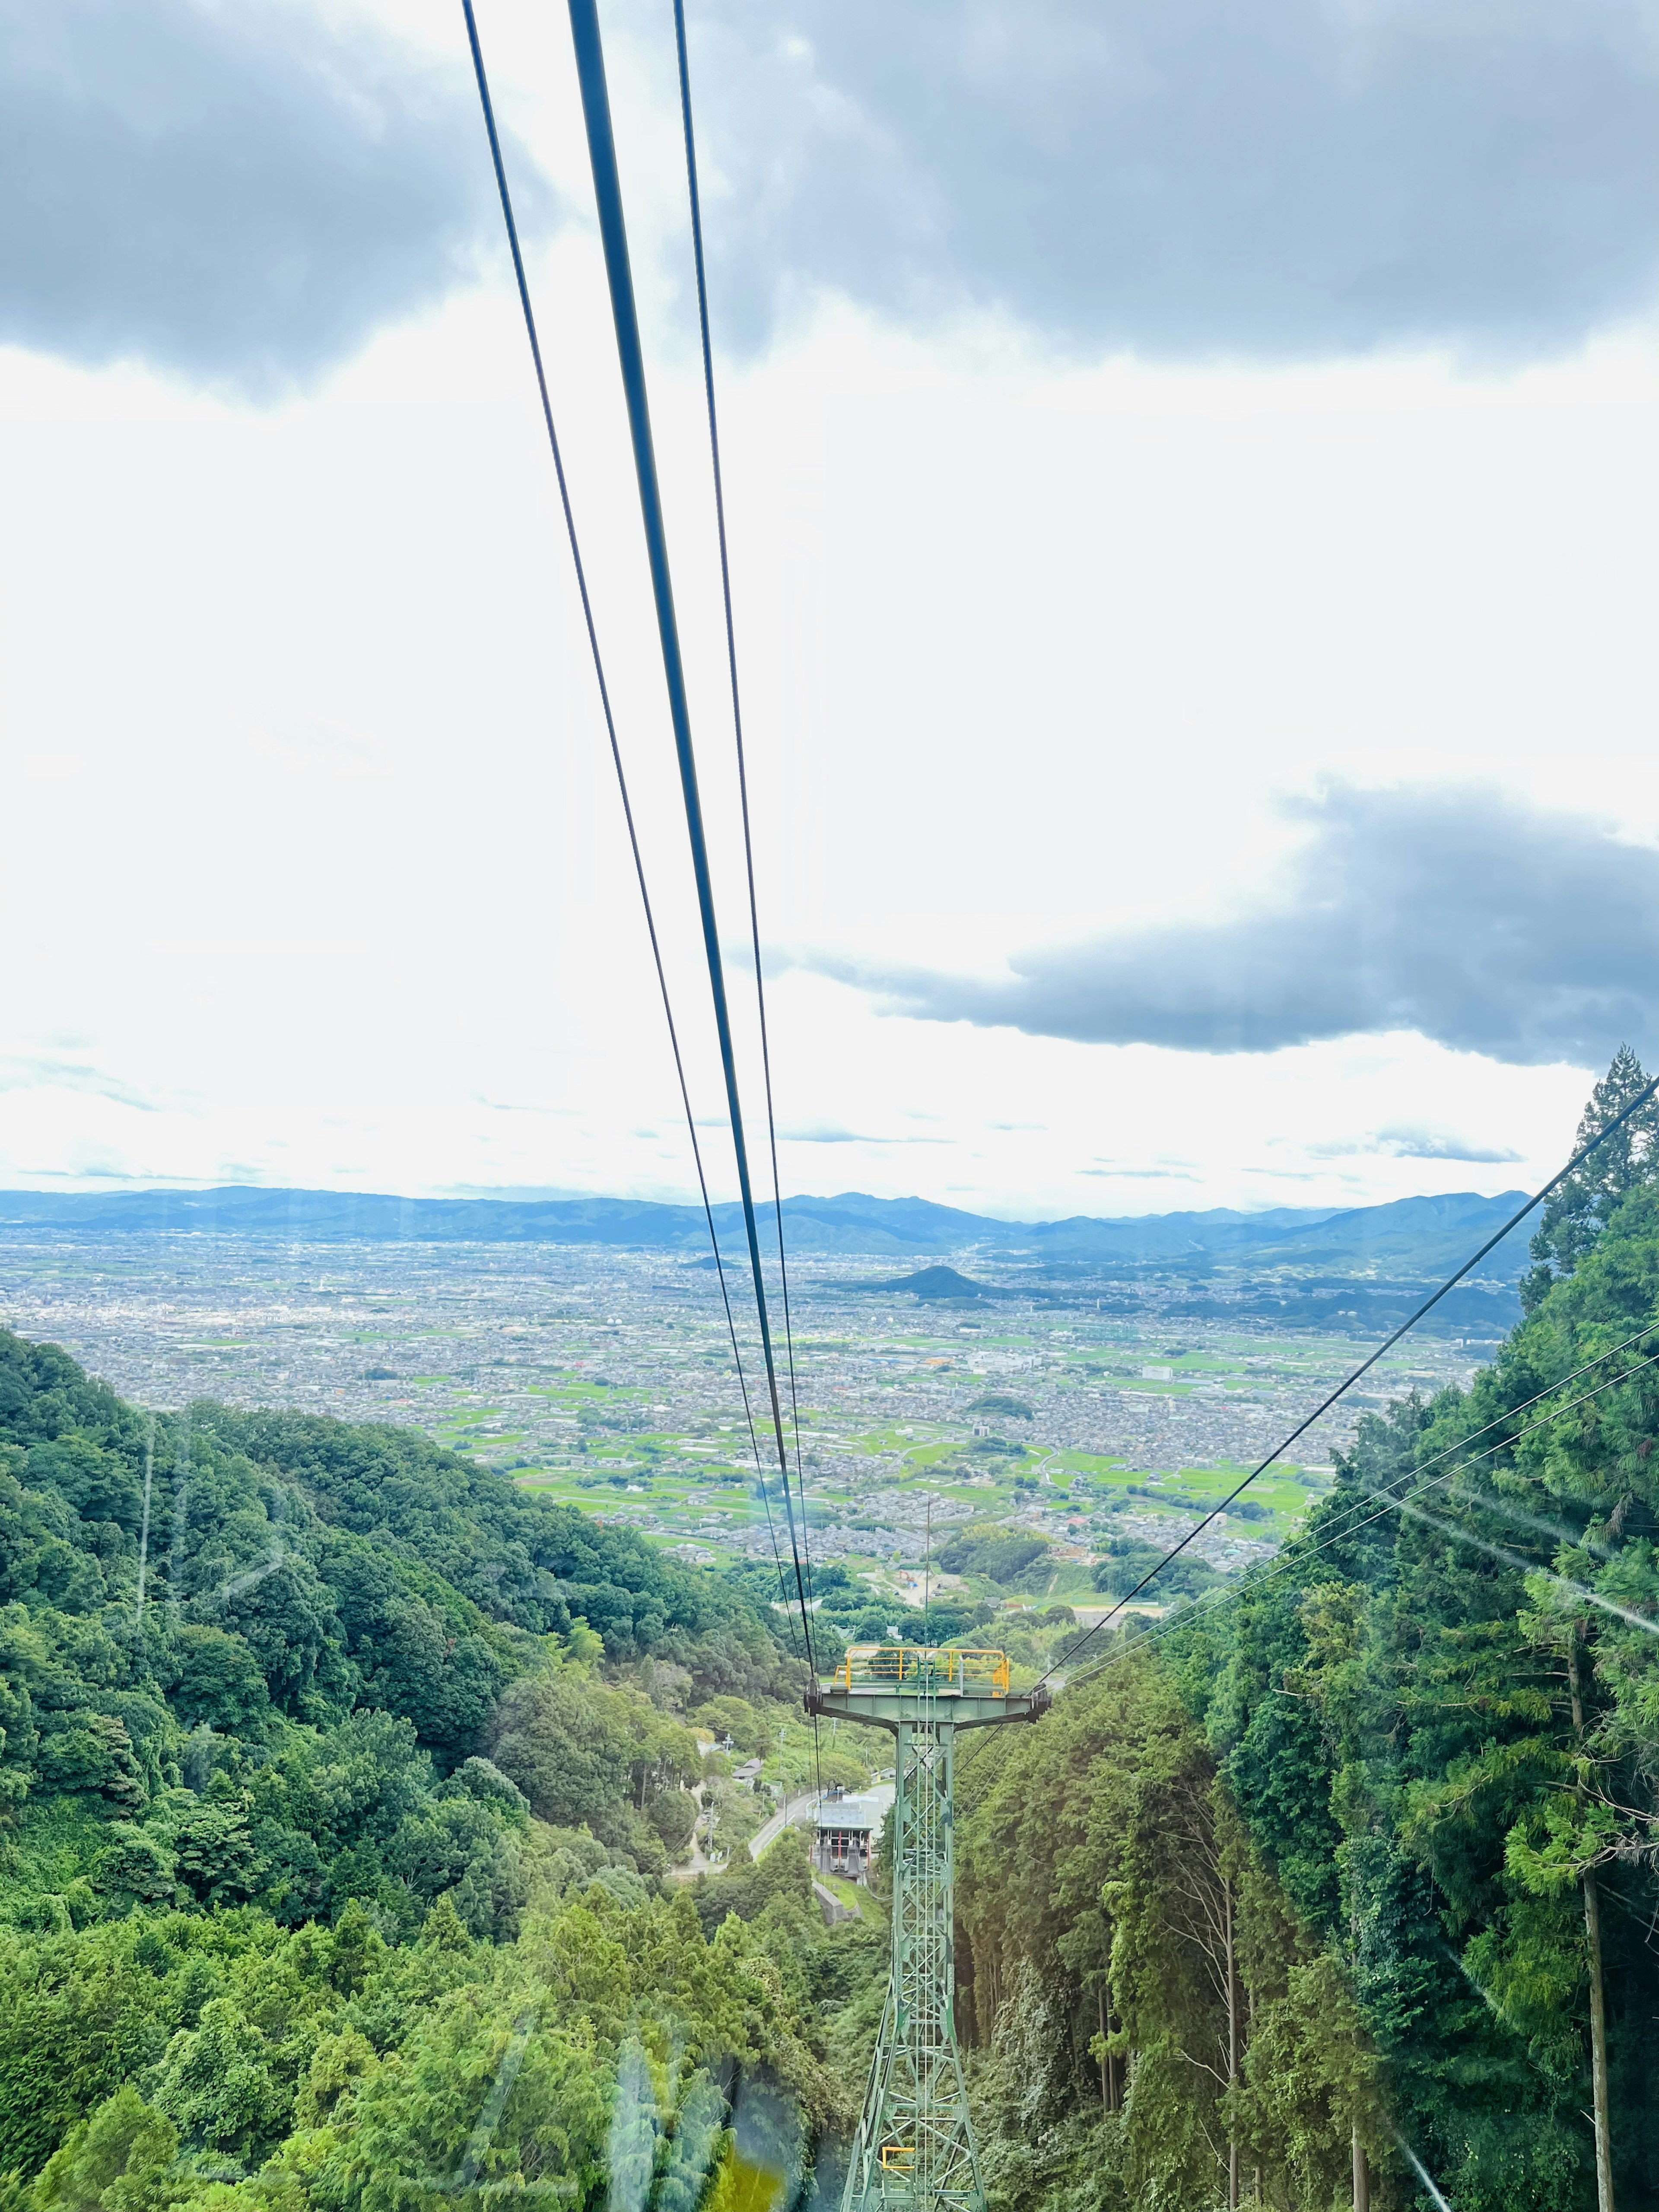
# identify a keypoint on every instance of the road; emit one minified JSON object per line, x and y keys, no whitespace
{"x":796,"y":1808}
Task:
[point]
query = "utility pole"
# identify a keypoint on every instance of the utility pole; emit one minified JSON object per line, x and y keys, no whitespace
{"x":914,"y":2151}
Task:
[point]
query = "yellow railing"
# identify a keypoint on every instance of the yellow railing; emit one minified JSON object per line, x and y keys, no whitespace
{"x":898,"y":2158}
{"x":935,"y":1667}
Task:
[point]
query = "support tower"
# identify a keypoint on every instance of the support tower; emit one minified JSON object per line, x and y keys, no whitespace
{"x":914,"y":2151}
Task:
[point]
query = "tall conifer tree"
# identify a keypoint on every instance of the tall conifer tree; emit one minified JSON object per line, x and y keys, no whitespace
{"x":1576,"y":1214}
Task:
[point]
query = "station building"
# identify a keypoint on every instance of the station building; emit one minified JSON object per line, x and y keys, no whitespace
{"x":847,"y":1831}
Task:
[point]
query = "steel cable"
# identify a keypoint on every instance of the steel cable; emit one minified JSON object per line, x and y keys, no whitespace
{"x":613,"y":232}
{"x":1364,"y":1368}
{"x":1382,"y":1503}
{"x":488,"y":105}
{"x":695,"y":200}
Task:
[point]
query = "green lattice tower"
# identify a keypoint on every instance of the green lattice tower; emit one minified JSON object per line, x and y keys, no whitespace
{"x":914,"y":2151}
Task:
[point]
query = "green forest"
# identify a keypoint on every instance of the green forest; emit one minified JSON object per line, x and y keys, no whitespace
{"x":1367,"y":1849}
{"x":347,"y":1793}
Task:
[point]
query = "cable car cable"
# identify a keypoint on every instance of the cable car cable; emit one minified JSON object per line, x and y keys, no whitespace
{"x":1383,"y":1502}
{"x":1364,"y":1367}
{"x":616,"y":750}
{"x":695,"y":199}
{"x":607,"y":191}
{"x":1358,"y":1517}
{"x":1361,"y":1513}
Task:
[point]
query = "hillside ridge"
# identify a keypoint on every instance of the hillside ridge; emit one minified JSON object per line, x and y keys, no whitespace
{"x":1420,"y":1234}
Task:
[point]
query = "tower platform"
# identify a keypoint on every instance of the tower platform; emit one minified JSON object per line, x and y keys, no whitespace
{"x":887,"y":1684}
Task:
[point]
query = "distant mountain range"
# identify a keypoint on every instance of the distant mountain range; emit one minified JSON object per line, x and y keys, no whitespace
{"x":1409,"y":1239}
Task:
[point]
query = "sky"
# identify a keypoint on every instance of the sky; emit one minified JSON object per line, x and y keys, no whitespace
{"x":1192,"y":476}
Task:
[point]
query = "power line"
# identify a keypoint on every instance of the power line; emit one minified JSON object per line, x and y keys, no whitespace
{"x":613,"y":232}
{"x":1402,"y":1501}
{"x":1365,"y":1368}
{"x":488,"y":105}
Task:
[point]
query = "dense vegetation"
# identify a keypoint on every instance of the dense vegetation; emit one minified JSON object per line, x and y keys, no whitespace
{"x":341,"y":1782}
{"x":1371,"y":1846}
{"x":338,"y":1779}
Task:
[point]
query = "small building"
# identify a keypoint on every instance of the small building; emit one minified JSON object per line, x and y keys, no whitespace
{"x":748,"y":1774}
{"x":846,"y":1832}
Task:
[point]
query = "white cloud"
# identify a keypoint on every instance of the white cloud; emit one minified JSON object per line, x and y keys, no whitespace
{"x":321,"y":854}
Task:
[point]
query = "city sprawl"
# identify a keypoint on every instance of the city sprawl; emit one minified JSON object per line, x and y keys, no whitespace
{"x":607,"y":1378}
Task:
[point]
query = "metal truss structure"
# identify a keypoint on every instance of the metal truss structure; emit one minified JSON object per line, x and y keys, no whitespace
{"x":914,"y":2151}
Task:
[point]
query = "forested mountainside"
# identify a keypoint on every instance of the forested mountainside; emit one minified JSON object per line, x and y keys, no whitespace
{"x":1374,"y":1845}
{"x":342,"y":1784}
{"x":337,"y":1777}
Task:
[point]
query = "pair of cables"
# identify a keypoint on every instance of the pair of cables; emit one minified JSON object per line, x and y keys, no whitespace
{"x":596,"y":110}
{"x":1365,"y":1365}
{"x":1380,"y":1503}
{"x":1065,"y":1657}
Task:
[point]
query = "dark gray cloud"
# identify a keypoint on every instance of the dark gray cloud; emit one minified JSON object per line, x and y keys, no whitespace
{"x":1483,"y":924}
{"x":1192,"y":177}
{"x":241,"y":193}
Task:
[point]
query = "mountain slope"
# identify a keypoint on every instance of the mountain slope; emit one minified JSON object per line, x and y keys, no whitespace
{"x":330,"y":1840}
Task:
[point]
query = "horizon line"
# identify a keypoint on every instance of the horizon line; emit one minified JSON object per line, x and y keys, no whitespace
{"x":509,"y":1195}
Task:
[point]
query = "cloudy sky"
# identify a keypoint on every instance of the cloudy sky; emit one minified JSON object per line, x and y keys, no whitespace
{"x":1193,"y":475}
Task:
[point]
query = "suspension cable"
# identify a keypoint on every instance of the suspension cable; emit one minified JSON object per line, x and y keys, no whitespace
{"x":607,"y":190}
{"x":1381,"y":1502}
{"x":488,"y":105}
{"x":1358,"y":1517}
{"x":1364,"y":1368}
{"x":694,"y":198}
